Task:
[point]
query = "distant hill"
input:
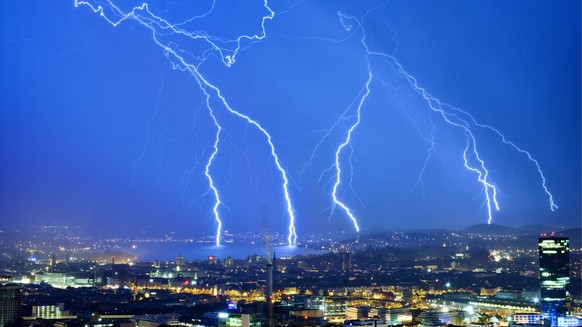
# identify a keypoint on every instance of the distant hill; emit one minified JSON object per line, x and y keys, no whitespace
{"x":540,"y":229}
{"x":575,"y":236}
{"x":493,"y":229}
{"x":536,"y":229}
{"x":528,"y":233}
{"x":429,"y":231}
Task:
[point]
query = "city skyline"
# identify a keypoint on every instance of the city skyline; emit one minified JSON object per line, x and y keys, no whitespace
{"x":99,"y":127}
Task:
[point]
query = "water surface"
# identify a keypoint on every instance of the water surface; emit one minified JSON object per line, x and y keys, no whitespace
{"x":193,"y":251}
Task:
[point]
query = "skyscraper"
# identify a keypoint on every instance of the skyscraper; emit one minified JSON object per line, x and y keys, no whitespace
{"x":554,"y":255}
{"x":10,"y":304}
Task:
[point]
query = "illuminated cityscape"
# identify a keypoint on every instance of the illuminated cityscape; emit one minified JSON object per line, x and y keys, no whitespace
{"x":290,"y":163}
{"x":483,"y":275}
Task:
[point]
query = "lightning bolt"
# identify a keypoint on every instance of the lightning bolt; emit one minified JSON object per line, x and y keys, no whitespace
{"x":553,"y":205}
{"x":177,"y":56}
{"x":226,"y":51}
{"x":453,"y":116}
{"x":337,"y":177}
{"x":217,"y":201}
{"x":338,"y":170}
{"x":471,"y":148}
{"x":150,"y":122}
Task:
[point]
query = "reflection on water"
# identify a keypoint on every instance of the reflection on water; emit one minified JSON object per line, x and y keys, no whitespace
{"x":190,"y":251}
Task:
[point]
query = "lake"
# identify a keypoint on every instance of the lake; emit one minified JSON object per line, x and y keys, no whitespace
{"x":193,"y":251}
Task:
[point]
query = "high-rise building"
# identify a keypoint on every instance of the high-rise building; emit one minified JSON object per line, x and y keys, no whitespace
{"x":228,"y":262}
{"x":347,"y":260}
{"x":554,"y":255}
{"x":10,"y":304}
{"x":180,"y":262}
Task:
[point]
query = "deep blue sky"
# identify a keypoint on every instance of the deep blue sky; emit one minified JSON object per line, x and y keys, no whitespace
{"x":97,"y":129}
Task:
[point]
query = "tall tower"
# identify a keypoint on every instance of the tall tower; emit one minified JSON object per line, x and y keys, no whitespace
{"x":554,"y":255}
{"x":269,"y":292}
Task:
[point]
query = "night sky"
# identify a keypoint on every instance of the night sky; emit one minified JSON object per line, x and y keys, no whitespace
{"x":98,"y":128}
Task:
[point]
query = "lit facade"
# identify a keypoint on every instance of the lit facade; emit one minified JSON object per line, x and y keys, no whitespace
{"x":10,"y":304}
{"x":554,"y":255}
{"x":52,"y":311}
{"x":524,"y":318}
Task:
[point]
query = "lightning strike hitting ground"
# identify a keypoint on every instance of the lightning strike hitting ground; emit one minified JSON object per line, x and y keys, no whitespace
{"x":162,"y":28}
{"x":338,"y":153}
{"x":207,"y":171}
{"x":226,"y":50}
{"x":453,"y":116}
{"x":337,"y":165}
{"x":454,"y":120}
